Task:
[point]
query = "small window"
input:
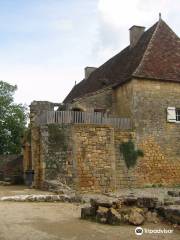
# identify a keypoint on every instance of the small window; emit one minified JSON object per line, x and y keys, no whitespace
{"x":178,"y":114}
{"x":173,"y":114}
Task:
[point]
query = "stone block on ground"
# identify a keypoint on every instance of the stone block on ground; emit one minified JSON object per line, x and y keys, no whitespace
{"x":88,"y":213}
{"x":113,"y":217}
{"x":152,"y":217}
{"x":174,"y":193}
{"x":130,"y":201}
{"x":147,"y":202}
{"x":102,"y":202}
{"x":3,"y":183}
{"x":136,"y":218}
{"x":168,"y":201}
{"x":170,"y":213}
{"x":101,"y":214}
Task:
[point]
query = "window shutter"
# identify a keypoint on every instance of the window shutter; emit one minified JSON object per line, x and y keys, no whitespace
{"x":171,"y":114}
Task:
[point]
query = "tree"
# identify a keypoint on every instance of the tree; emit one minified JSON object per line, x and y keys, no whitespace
{"x":12,"y":120}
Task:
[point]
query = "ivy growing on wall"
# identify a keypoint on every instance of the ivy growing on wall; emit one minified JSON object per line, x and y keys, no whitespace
{"x":130,"y":154}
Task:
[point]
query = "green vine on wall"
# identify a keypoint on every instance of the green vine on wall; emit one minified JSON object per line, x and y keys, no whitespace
{"x":130,"y":154}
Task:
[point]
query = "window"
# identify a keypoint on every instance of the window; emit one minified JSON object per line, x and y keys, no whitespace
{"x":178,"y":115}
{"x":173,"y":114}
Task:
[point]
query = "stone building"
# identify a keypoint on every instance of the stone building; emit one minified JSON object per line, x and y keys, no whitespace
{"x":142,"y":84}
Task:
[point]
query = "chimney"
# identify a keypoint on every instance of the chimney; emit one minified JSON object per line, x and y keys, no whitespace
{"x":88,"y":71}
{"x":135,"y":34}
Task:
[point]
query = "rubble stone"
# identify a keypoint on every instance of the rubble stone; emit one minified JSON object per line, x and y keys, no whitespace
{"x":88,"y":213}
{"x":113,"y":217}
{"x":136,"y":218}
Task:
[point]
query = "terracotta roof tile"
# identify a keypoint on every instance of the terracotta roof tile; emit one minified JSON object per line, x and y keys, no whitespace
{"x":156,"y":56}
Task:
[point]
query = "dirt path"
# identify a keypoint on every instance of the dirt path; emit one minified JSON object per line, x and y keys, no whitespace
{"x":19,"y":190}
{"x":60,"y":221}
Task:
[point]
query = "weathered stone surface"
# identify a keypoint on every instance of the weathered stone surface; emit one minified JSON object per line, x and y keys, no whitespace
{"x":136,"y":218}
{"x":130,"y":201}
{"x":168,"y":201}
{"x":170,"y":213}
{"x":174,"y":193}
{"x":101,"y":214}
{"x":113,"y":217}
{"x":39,"y":198}
{"x":2,"y":183}
{"x":88,"y":213}
{"x":177,"y":202}
{"x":147,"y":202}
{"x":152,"y":217}
{"x":102,"y":202}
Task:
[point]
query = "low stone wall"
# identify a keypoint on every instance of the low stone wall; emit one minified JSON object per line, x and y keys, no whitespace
{"x":11,"y":168}
{"x":85,"y":157}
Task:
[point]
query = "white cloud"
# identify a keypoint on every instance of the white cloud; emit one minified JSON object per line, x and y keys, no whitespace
{"x":117,"y":16}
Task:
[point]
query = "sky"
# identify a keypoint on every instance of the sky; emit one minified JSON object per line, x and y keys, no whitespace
{"x":46,"y":44}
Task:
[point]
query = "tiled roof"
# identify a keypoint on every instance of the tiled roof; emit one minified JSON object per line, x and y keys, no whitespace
{"x":155,"y":56}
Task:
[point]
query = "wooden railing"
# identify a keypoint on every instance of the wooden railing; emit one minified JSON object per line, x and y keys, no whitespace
{"x":75,"y":117}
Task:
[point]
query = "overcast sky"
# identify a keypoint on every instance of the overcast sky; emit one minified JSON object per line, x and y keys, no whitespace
{"x":45,"y":44}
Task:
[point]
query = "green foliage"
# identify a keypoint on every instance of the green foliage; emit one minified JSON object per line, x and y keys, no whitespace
{"x":130,"y":154}
{"x":12,"y":120}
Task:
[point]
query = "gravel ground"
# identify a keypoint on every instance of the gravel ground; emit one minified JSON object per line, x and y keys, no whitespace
{"x":19,"y":190}
{"x":60,"y":221}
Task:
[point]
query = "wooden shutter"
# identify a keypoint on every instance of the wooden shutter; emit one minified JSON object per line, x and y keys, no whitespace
{"x":171,"y":114}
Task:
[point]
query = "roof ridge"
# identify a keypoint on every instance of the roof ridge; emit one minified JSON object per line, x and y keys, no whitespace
{"x":147,"y":49}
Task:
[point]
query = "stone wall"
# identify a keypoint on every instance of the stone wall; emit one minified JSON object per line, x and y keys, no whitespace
{"x":146,"y":102}
{"x":57,"y":153}
{"x":99,"y":100}
{"x":123,"y":100}
{"x":124,"y":177}
{"x":88,"y":156}
{"x":158,"y":138}
{"x":27,"y":160}
{"x":37,"y":163}
{"x":95,"y":157}
{"x":11,"y":167}
{"x":84,"y":156}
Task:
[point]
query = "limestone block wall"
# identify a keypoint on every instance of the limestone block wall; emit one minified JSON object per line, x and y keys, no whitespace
{"x":27,"y":161}
{"x":146,"y":102}
{"x":99,"y":100}
{"x":57,"y":153}
{"x":95,"y":157}
{"x":122,"y":104}
{"x":159,"y":139}
{"x":37,"y":164}
{"x":156,"y":167}
{"x":85,"y":157}
{"x":125,"y":177}
{"x":10,"y":166}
